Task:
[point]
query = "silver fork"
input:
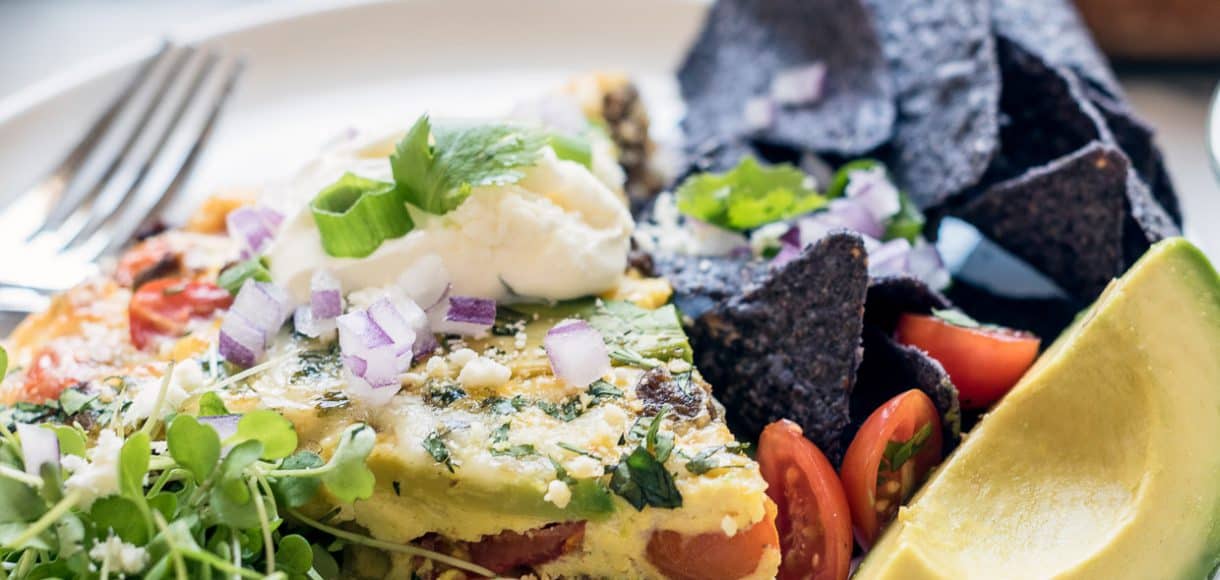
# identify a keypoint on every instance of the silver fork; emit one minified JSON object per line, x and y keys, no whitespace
{"x":128,"y":166}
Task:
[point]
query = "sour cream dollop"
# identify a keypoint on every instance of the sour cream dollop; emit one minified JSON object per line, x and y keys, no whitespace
{"x":558,"y":233}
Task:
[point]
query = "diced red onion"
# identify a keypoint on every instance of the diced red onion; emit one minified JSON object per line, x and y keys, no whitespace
{"x":325,"y":297}
{"x":304,"y":323}
{"x":241,"y":343}
{"x":224,"y":425}
{"x":358,"y":334}
{"x":440,"y":321}
{"x":254,"y":227}
{"x":889,"y":259}
{"x":426,"y":281}
{"x":799,"y":85}
{"x":759,"y":113}
{"x":577,"y":352}
{"x":854,"y":216}
{"x":39,"y":446}
{"x":481,"y":311}
{"x":787,"y":253}
{"x":873,"y":190}
{"x":265,"y":305}
{"x":924,"y":262}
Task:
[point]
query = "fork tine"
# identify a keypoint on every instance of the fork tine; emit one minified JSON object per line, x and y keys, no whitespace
{"x":164,"y":189}
{"x":81,"y":191}
{"x":140,"y":161}
{"x":53,"y":186}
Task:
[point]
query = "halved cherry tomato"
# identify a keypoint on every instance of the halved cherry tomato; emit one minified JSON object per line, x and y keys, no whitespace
{"x":984,"y":363}
{"x":713,"y":556}
{"x":892,"y":454}
{"x":813,"y":521}
{"x":509,"y":551}
{"x":163,"y":307}
{"x":44,"y":381}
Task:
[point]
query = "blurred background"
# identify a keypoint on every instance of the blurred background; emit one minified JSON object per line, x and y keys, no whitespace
{"x":1167,"y":54}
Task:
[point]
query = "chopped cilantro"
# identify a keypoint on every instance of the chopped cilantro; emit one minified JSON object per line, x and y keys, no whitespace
{"x":435,"y":168}
{"x":515,"y":451}
{"x":73,"y":401}
{"x":502,"y":406}
{"x":434,"y":444}
{"x":600,"y":389}
{"x":574,"y":449}
{"x":640,"y":476}
{"x":569,"y":410}
{"x":896,"y":454}
{"x":500,"y":434}
{"x":748,"y":196}
{"x":956,"y":318}
{"x":443,"y":393}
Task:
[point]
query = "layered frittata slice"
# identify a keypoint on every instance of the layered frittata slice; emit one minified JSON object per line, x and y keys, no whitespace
{"x":459,"y":318}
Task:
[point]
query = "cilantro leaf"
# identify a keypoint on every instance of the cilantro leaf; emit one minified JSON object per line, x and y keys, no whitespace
{"x":956,"y":318}
{"x":437,"y":168}
{"x":702,"y":462}
{"x":3,"y":362}
{"x":600,"y":389}
{"x":434,"y":444}
{"x":896,"y":453}
{"x":642,"y":480}
{"x":747,"y":196}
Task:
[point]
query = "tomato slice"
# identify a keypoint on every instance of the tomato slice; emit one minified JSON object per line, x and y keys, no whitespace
{"x":984,"y":362}
{"x":889,"y":459}
{"x":814,"y":522}
{"x":163,"y":307}
{"x":713,"y":556}
{"x":144,"y":261}
{"x":509,"y":551}
{"x":44,"y":381}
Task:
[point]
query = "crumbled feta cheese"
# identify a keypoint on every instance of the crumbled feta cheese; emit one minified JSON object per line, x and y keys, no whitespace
{"x":459,"y":358}
{"x":121,"y":556}
{"x":582,"y":467}
{"x":729,"y":526}
{"x":557,"y":492}
{"x":187,"y":376}
{"x":436,"y":367}
{"x":483,"y":372}
{"x":99,"y":476}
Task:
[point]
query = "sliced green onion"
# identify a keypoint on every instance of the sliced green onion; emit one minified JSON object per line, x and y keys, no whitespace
{"x":354,"y":215}
{"x":572,"y":148}
{"x":234,"y":276}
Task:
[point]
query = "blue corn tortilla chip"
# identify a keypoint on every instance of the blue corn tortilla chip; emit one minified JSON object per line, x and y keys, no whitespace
{"x":787,"y":346}
{"x":745,"y":43}
{"x":1053,"y":30}
{"x":1064,"y":218}
{"x":1045,"y":114}
{"x":892,"y":296}
{"x":889,"y":369}
{"x":942,"y":58}
{"x":701,"y":283}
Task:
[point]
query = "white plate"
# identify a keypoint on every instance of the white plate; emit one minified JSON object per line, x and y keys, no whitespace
{"x":316,"y":70}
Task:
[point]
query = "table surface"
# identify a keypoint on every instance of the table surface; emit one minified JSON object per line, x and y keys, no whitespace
{"x":39,"y":38}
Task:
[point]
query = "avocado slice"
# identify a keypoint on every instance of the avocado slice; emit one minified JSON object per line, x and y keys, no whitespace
{"x":1102,"y":462}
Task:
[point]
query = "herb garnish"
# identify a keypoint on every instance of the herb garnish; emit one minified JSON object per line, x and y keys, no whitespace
{"x":748,"y":196}
{"x":574,"y":449}
{"x":600,"y":389}
{"x":434,"y":444}
{"x":641,"y":478}
{"x":435,"y":169}
{"x":194,"y":510}
{"x":896,"y":454}
{"x":442,"y":393}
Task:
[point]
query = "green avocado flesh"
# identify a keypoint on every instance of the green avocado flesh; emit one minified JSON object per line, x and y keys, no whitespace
{"x":1103,"y":462}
